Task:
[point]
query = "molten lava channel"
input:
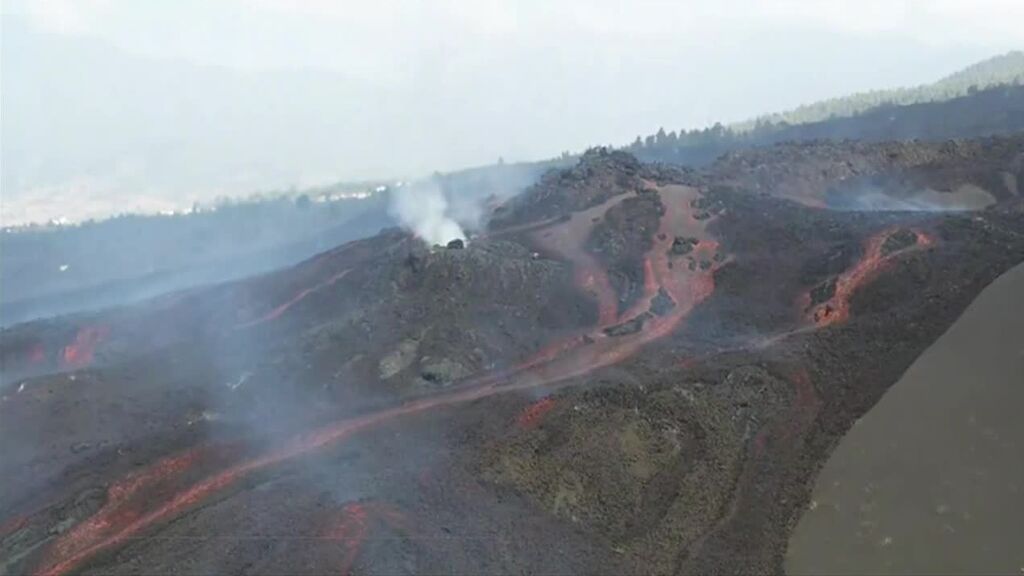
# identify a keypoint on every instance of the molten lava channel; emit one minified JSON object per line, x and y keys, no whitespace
{"x":79,"y":353}
{"x":126,"y":513}
{"x":836,"y":310}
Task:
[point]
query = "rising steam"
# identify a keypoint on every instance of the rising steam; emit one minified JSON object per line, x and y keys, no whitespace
{"x":423,"y":209}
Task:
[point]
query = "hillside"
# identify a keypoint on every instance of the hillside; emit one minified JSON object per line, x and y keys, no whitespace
{"x":51,"y":270}
{"x":996,"y":110}
{"x":645,"y":364}
{"x":955,"y":465}
{"x":983,"y":99}
{"x":163,"y":253}
{"x":1003,"y":70}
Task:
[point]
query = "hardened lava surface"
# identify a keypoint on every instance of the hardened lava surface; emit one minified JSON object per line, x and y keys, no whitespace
{"x":635,"y":369}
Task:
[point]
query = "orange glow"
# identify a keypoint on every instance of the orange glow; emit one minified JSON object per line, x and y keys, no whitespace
{"x":79,"y":353}
{"x":837,"y":309}
{"x":123,"y":518}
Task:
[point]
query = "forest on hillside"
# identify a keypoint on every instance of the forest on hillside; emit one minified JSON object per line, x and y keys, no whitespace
{"x":899,"y":113}
{"x":994,"y":110}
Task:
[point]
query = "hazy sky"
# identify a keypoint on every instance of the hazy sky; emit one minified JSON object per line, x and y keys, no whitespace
{"x":421,"y":86}
{"x":397,"y":40}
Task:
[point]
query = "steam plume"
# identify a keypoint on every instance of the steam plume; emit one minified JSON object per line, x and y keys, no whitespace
{"x":423,"y":209}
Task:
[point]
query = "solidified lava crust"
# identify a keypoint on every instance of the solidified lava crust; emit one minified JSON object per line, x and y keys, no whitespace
{"x":619,"y":382}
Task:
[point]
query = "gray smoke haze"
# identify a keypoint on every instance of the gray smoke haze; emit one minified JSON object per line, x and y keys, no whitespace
{"x":926,"y":200}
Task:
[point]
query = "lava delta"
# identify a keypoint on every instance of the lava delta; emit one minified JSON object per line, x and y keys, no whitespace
{"x":636,"y":368}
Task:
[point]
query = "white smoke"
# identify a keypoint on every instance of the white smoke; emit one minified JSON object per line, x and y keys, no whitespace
{"x":965,"y":197}
{"x":423,"y":209}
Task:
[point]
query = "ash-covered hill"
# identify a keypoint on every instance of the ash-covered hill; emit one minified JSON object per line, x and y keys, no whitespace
{"x":953,"y":174}
{"x":635,"y":369}
{"x":48,"y":272}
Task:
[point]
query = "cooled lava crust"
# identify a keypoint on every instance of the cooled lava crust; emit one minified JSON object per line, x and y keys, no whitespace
{"x":635,"y":369}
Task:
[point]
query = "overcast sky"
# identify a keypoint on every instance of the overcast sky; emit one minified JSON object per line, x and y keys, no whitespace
{"x":455,"y":83}
{"x":397,"y":40}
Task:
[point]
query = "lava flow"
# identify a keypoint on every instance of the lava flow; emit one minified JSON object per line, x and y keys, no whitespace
{"x":568,"y":240}
{"x":837,"y":308}
{"x":79,"y":353}
{"x":282,"y":308}
{"x":565,"y":359}
{"x":581,"y":353}
{"x":126,"y":501}
{"x":352,"y":529}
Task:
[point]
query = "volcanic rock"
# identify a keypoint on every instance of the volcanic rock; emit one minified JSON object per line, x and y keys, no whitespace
{"x":399,"y":359}
{"x":629,"y":327}
{"x":682,"y":246}
{"x":681,"y":440}
{"x":662,"y":303}
{"x":443,"y":371}
{"x":823,"y":292}
{"x":899,"y":240}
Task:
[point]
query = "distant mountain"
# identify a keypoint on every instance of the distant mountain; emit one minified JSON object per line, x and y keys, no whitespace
{"x":90,"y":131}
{"x":1005,"y":69}
{"x":987,"y":112}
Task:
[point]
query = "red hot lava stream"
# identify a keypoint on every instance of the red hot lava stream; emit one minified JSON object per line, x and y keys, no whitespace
{"x":79,"y":353}
{"x":837,"y":309}
{"x":115,"y":524}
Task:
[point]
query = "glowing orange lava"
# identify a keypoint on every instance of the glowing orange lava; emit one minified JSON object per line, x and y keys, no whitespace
{"x":120,"y":520}
{"x":837,"y":309}
{"x":79,"y":353}
{"x":126,"y":502}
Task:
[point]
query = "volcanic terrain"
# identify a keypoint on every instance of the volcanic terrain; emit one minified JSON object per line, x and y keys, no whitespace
{"x":636,"y":368}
